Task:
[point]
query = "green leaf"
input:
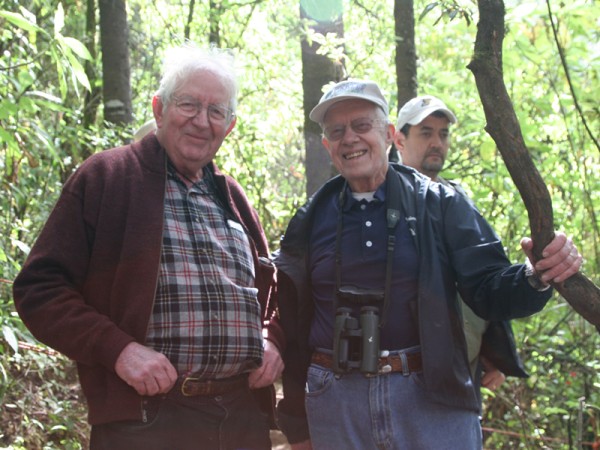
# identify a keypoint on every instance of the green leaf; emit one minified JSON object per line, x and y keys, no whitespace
{"x":60,"y":71}
{"x":22,"y":246}
{"x":8,"y":139}
{"x":59,"y":19}
{"x":11,"y":338}
{"x":45,"y":96}
{"x":554,"y":410}
{"x":430,"y":7}
{"x":488,"y":150}
{"x":20,"y":21}
{"x":79,"y":71}
{"x":78,"y":48}
{"x":8,"y":109}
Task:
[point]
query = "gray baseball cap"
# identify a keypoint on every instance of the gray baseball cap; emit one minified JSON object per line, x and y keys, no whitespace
{"x":346,"y":90}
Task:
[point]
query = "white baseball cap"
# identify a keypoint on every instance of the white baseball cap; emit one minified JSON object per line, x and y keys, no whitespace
{"x":346,"y":90}
{"x":417,"y":109}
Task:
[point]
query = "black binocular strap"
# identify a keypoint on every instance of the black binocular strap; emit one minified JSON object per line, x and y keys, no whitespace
{"x":392,"y":198}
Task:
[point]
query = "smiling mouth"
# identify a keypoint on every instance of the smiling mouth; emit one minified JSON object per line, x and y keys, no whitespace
{"x":353,"y":155}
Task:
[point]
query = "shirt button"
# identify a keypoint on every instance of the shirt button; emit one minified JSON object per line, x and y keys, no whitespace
{"x":368,"y":223}
{"x":369,"y":244}
{"x":363,"y":207}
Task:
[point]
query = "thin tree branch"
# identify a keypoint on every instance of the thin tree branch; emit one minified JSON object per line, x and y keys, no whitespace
{"x":565,"y":66}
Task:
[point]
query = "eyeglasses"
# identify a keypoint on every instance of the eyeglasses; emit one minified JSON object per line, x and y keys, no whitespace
{"x":189,"y":107}
{"x":359,"y":126}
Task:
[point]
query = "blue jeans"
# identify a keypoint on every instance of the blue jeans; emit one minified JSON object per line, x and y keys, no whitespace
{"x":229,"y":422}
{"x":383,"y":412}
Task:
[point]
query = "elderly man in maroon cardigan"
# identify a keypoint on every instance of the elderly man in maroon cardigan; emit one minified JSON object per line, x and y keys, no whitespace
{"x":152,"y":273}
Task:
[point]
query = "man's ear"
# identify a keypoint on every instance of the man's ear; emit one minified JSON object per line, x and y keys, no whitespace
{"x":399,"y":139}
{"x":231,"y":125}
{"x":390,"y":132}
{"x":157,"y":109}
{"x":326,"y":144}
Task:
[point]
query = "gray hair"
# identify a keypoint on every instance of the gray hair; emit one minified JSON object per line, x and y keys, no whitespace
{"x":181,"y":62}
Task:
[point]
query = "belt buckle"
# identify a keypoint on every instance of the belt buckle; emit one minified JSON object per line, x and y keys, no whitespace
{"x":183,"y":385}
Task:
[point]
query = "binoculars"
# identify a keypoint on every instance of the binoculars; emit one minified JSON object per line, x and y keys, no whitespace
{"x":356,"y":339}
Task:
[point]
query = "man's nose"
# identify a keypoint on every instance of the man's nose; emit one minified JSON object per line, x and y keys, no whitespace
{"x":349,"y":134}
{"x":201,"y":118}
{"x":436,"y":141}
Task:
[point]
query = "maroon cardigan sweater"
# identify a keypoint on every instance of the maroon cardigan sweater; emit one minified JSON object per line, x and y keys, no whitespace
{"x":87,"y":288}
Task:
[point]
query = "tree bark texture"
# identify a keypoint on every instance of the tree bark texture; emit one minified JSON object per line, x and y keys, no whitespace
{"x":503,"y":127}
{"x":190,"y":19}
{"x":317,"y":71}
{"x":114,"y":39}
{"x":214,"y":21}
{"x":93,"y":97}
{"x":406,"y":53}
{"x":406,"y":58}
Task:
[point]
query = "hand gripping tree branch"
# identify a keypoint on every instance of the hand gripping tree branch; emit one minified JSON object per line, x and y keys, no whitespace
{"x":503,"y":127}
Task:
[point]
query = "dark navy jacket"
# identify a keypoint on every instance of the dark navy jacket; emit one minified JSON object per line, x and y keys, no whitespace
{"x":456,"y":248}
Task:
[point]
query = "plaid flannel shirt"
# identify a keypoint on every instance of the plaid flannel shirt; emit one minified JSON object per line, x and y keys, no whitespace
{"x":206,"y":316}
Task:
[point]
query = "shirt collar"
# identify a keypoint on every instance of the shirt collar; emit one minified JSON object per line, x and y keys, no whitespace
{"x":351,"y":201}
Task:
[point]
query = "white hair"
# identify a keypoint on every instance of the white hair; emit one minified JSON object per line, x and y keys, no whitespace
{"x":181,"y":62}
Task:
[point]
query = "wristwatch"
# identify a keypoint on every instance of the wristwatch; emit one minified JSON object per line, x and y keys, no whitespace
{"x":533,"y":279}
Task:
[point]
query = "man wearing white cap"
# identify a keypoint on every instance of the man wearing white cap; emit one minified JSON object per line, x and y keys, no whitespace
{"x":367,"y":276}
{"x":428,"y":146}
{"x":423,"y":138}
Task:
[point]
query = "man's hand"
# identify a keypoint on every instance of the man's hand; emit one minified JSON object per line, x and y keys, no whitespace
{"x":492,"y":377}
{"x":270,"y":369}
{"x":560,"y":259}
{"x":145,"y":370}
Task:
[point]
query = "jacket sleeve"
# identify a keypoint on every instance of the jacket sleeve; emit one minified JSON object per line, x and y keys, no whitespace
{"x":48,"y":292}
{"x":291,"y":415}
{"x":488,"y":283}
{"x":498,"y":346}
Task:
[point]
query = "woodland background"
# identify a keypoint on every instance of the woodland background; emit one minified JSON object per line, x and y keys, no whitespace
{"x":58,"y":73}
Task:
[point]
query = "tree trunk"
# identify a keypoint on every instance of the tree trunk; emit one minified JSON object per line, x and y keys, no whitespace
{"x":93,"y":97}
{"x":317,"y":70}
{"x":406,"y":53}
{"x":406,"y":57}
{"x":114,"y":34}
{"x":190,"y":20}
{"x":214,"y":20}
{"x":503,"y":127}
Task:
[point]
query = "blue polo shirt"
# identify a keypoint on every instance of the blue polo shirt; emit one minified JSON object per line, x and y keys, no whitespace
{"x":363,"y":265}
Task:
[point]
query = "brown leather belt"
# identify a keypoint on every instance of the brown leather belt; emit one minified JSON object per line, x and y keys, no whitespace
{"x":392,"y":362}
{"x":192,"y":387}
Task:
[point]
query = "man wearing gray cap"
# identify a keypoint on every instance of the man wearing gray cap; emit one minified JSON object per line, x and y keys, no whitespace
{"x":423,"y":138}
{"x":367,"y":276}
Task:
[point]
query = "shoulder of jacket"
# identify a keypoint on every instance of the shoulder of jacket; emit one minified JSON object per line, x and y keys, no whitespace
{"x":297,"y":231}
{"x":148,"y":152}
{"x":410,"y":175}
